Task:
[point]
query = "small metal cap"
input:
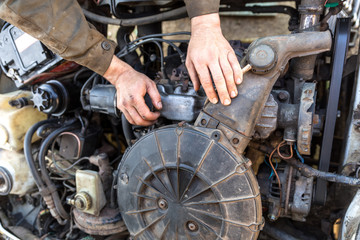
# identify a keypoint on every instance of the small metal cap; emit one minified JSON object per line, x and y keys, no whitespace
{"x":262,"y":58}
{"x":5,"y":182}
{"x":82,"y":201}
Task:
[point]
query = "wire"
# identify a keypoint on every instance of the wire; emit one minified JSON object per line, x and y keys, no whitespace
{"x":130,"y":48}
{"x":175,"y":13}
{"x":277,"y":176}
{"x":159,"y":35}
{"x":282,"y":156}
{"x":298,"y":154}
{"x":272,"y":172}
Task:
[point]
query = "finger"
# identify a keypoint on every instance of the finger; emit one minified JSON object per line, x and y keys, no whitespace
{"x":220,"y":83}
{"x":154,"y":94}
{"x":229,"y":76}
{"x":138,"y":120}
{"x":144,"y":111}
{"x":206,"y":82}
{"x":238,"y":73}
{"x":127,"y":116}
{"x":193,"y":75}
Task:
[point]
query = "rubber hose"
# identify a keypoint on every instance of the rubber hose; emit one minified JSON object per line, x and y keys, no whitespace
{"x":43,"y":150}
{"x":126,"y":126}
{"x":28,"y":152}
{"x":136,"y":21}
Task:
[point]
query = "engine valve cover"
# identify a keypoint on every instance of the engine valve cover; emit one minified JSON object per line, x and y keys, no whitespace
{"x":179,"y":183}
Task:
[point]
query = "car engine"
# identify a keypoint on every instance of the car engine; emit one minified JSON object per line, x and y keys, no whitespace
{"x":265,"y":167}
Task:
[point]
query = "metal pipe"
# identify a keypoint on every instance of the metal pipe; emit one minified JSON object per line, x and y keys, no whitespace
{"x":308,"y":171}
{"x":310,"y":11}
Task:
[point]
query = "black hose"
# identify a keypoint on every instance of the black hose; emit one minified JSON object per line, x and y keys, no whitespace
{"x":308,"y":171}
{"x":28,"y":152}
{"x":127,"y":130}
{"x":43,"y":150}
{"x":136,"y":21}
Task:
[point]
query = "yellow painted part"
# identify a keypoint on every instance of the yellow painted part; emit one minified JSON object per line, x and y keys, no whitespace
{"x":14,"y":122}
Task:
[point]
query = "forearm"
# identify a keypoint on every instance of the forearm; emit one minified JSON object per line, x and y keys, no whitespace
{"x":62,"y":27}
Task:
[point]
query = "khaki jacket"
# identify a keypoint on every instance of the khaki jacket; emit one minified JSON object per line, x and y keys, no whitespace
{"x":62,"y":27}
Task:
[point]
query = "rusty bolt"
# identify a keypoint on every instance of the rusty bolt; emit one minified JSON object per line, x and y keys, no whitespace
{"x":235,"y":141}
{"x":162,"y":204}
{"x":192,"y":226}
{"x":282,"y":96}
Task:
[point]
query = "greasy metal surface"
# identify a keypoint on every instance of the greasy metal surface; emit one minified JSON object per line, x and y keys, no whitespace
{"x":340,"y":50}
{"x":288,"y":120}
{"x":301,"y":204}
{"x":179,"y":183}
{"x":108,"y":222}
{"x":351,"y":222}
{"x":240,"y":117}
{"x":180,"y":105}
{"x":268,"y":120}
{"x":351,"y":152}
{"x":306,"y":115}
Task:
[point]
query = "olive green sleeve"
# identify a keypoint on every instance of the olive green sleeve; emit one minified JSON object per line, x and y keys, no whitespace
{"x":201,"y":7}
{"x":62,"y":27}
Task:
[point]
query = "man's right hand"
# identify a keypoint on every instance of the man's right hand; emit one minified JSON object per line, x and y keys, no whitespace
{"x":131,"y":87}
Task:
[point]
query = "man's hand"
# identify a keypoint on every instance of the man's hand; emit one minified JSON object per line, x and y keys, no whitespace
{"x":210,"y":53}
{"x":131,"y":87}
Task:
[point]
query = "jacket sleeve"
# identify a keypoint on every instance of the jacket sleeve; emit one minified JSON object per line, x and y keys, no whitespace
{"x":201,"y":7}
{"x":62,"y":27}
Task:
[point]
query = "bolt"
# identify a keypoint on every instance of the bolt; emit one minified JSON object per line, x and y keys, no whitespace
{"x":124,"y":178}
{"x":235,"y":141}
{"x":162,"y":204}
{"x":192,"y":226}
{"x":282,"y":96}
{"x":203,"y":122}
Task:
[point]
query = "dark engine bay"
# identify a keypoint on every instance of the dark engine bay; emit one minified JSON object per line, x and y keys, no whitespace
{"x":281,"y":162}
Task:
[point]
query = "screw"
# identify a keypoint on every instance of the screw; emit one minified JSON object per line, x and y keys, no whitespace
{"x":162,"y":204}
{"x":192,"y":226}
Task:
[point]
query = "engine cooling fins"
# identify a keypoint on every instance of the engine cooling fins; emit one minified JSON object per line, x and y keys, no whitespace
{"x":179,"y":183}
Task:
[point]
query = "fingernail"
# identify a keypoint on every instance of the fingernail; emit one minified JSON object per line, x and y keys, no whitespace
{"x":227,"y":102}
{"x":214,"y":101}
{"x":233,"y":94}
{"x":238,"y":81}
{"x":159,"y":105}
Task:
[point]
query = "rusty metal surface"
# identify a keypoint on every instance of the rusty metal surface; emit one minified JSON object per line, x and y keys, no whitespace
{"x":306,"y":115}
{"x":268,"y":120}
{"x":241,"y":116}
{"x":108,"y":222}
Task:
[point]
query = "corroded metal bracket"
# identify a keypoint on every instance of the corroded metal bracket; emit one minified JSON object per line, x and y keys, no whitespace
{"x":269,"y":57}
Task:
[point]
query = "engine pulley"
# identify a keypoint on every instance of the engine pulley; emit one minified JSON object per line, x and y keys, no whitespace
{"x":179,"y":183}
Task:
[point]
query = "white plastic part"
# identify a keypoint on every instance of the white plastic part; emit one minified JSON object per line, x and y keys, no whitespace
{"x":15,"y":122}
{"x":16,"y":166}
